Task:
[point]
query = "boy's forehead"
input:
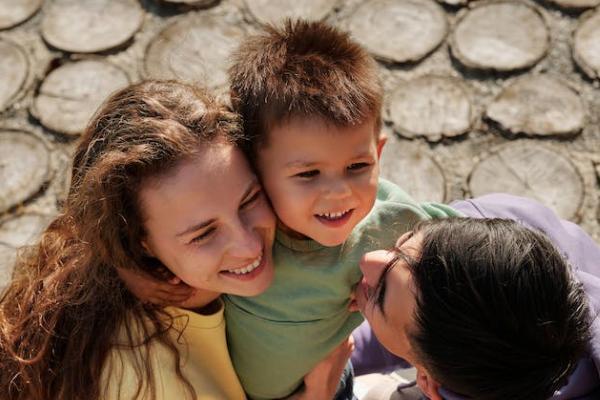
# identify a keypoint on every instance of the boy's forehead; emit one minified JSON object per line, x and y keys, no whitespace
{"x":299,"y":128}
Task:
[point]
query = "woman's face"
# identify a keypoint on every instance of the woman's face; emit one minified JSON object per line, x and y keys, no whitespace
{"x":210,"y":224}
{"x":386,"y":295}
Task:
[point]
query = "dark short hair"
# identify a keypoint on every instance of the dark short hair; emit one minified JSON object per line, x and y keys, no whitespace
{"x":498,"y":313}
{"x":302,"y":69}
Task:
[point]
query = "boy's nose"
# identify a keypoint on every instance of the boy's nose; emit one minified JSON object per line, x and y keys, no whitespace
{"x":373,"y":264}
{"x":337,"y":189}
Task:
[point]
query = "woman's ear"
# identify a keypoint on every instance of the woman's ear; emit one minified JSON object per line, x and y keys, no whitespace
{"x":428,"y":385}
{"x":381,"y":140}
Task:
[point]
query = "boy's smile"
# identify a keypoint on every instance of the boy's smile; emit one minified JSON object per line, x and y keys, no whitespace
{"x":321,"y":178}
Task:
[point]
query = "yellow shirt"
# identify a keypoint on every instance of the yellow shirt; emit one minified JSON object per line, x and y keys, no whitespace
{"x":204,"y":362}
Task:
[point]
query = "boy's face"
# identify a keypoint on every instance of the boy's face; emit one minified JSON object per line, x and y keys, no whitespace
{"x":321,"y":179}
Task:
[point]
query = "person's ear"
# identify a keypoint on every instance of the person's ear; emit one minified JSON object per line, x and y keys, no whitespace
{"x":428,"y":385}
{"x":381,"y":140}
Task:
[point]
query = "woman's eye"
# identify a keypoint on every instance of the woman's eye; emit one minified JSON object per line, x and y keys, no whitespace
{"x":308,"y":174}
{"x":204,"y":235}
{"x":358,"y":166}
{"x":251,"y":200}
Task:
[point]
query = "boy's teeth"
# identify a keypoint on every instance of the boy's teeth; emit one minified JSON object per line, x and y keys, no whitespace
{"x":333,"y":215}
{"x":248,"y":268}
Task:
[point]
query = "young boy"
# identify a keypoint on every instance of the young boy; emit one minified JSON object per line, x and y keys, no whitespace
{"x":311,"y":103}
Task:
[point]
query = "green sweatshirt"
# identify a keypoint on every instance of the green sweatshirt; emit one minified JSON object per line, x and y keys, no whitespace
{"x":277,"y":337}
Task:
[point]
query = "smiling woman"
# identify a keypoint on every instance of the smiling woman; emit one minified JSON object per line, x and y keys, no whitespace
{"x":158,"y":186}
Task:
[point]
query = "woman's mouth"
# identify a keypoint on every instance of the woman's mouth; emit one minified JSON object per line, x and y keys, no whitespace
{"x":249,"y":271}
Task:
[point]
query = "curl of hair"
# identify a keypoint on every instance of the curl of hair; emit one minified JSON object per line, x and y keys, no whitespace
{"x":65,"y":303}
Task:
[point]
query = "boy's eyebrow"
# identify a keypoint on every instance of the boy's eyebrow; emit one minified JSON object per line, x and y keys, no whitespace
{"x":300,"y":164}
{"x":204,"y":224}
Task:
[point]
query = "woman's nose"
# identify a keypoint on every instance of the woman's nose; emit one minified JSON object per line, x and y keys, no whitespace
{"x":373,"y":264}
{"x":246,"y":243}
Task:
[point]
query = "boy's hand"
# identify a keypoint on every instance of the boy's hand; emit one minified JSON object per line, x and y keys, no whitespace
{"x":323,"y":380}
{"x":152,"y":290}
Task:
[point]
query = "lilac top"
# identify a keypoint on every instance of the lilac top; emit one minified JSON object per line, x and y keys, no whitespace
{"x":580,"y":250}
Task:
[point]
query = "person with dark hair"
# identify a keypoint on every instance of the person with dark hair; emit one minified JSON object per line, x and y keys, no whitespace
{"x":500,"y":305}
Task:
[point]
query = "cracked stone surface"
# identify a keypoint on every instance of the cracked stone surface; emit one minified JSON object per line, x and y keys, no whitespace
{"x":531,"y":171}
{"x":480,"y":96}
{"x":399,"y":31}
{"x":89,"y":26}
{"x":586,"y":48}
{"x":268,"y":11}
{"x":70,"y":94}
{"x":432,"y":107}
{"x":14,"y":12}
{"x":538,"y":105}
{"x":500,"y":35}
{"x":194,"y":49}
{"x":14,"y":68}
{"x":576,"y":4}
{"x":24,"y":167}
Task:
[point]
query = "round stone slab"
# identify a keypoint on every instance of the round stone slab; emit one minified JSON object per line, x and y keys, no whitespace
{"x":501,"y":36}
{"x":70,"y":94}
{"x":89,"y":26}
{"x":586,"y":47}
{"x":530,"y":171}
{"x":413,"y":170}
{"x":538,"y":105}
{"x":399,"y":31}
{"x":193,"y":49}
{"x":273,"y":11}
{"x":24,"y":167}
{"x":14,"y":69}
{"x":13,"y":12}
{"x":23,"y":230}
{"x":432,"y":107}
{"x":576,"y":4}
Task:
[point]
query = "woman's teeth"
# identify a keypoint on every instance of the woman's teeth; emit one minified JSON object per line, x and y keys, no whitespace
{"x":248,"y":268}
{"x":335,"y":215}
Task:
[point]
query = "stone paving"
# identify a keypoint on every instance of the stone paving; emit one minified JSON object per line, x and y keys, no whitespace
{"x":481,"y":96}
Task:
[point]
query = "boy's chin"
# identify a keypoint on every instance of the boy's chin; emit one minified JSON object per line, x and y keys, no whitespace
{"x":331,"y":240}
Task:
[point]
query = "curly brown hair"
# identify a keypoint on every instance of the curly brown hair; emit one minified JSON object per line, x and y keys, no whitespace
{"x":65,"y":303}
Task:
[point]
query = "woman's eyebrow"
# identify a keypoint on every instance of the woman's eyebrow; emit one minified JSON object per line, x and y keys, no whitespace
{"x":196,"y":227}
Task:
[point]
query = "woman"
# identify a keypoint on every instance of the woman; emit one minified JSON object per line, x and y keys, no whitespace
{"x":488,"y":307}
{"x":158,"y":186}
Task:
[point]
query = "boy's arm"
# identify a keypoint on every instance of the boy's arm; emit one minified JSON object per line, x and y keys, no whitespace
{"x":152,"y":290}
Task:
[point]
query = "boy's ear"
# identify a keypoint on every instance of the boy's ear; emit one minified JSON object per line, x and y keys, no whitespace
{"x":428,"y":385}
{"x":381,"y":140}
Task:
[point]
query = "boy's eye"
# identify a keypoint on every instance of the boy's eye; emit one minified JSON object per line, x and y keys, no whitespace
{"x":358,"y":166}
{"x":204,"y":235}
{"x":251,"y":200}
{"x":308,"y":174}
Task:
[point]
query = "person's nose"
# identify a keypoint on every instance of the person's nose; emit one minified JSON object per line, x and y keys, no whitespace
{"x":246,"y":242}
{"x":373,"y":264}
{"x":337,"y":189}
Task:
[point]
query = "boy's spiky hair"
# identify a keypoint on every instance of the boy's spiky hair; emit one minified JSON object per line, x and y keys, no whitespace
{"x":303,"y":69}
